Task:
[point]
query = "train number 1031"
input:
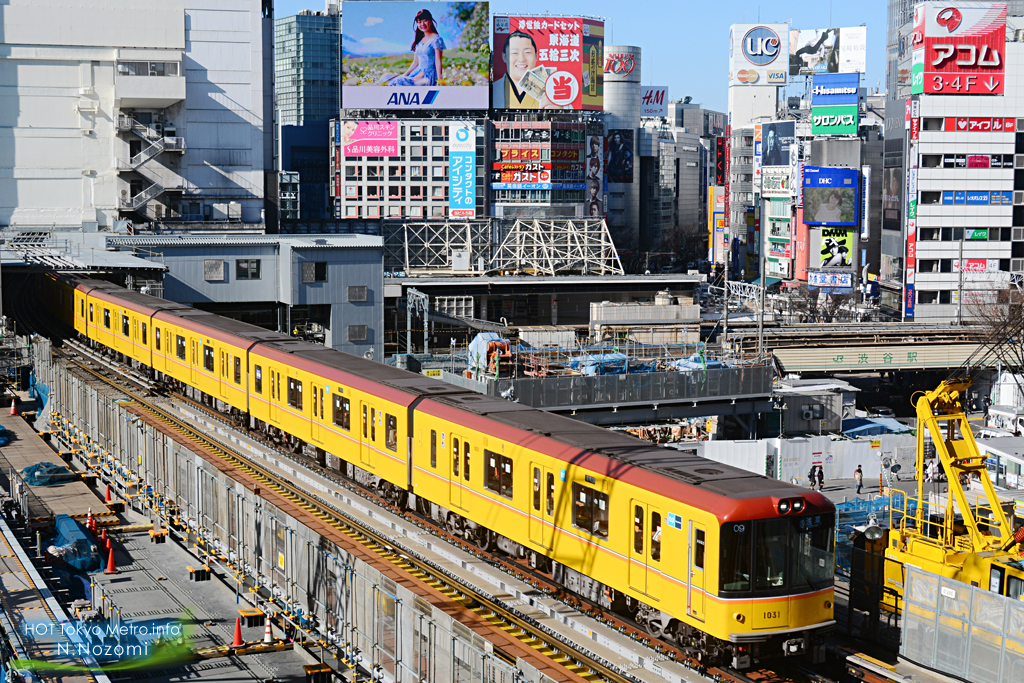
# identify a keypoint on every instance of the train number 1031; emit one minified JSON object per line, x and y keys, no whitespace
{"x":772,"y":615}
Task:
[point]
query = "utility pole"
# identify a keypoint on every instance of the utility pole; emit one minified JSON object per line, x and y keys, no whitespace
{"x":725,"y":300}
{"x":760,"y":314}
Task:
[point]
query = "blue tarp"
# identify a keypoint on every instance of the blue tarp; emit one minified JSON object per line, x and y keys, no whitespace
{"x":873,"y":426}
{"x":695,"y":362}
{"x":610,"y":364}
{"x":74,"y":546}
{"x":47,"y":474}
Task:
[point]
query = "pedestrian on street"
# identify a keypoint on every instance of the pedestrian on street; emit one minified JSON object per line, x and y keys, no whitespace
{"x":821,"y":478}
{"x":812,"y":476}
{"x":858,"y":476}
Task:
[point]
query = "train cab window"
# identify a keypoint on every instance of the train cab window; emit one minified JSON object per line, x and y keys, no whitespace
{"x":295,"y":393}
{"x":498,"y":475}
{"x":551,"y":493}
{"x":258,"y":379}
{"x":144,"y":334}
{"x":342,"y":412}
{"x":995,"y":580}
{"x":156,"y":337}
{"x":656,"y":536}
{"x":771,"y":540}
{"x":465,"y":460}
{"x":391,"y":432}
{"x":590,"y":510}
{"x":106,"y":318}
{"x":238,"y":368}
{"x":698,"y":549}
{"x":364,"y":422}
{"x":1014,"y":587}
{"x":638,"y":529}
{"x":90,"y":312}
{"x":536,"y":488}
{"x":208,"y":357}
{"x":734,"y":565}
{"x":433,"y":448}
{"x":180,"y":347}
{"x":455,"y":458}
{"x":125,"y":326}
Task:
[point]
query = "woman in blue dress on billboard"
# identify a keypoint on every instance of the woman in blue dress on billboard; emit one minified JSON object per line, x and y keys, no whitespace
{"x":427,"y":46}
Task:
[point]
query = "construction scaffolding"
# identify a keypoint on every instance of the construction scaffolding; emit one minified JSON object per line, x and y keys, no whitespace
{"x":550,"y":247}
{"x":455,"y":247}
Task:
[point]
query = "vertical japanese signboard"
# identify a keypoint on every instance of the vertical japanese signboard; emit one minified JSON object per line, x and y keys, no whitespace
{"x":462,"y":169}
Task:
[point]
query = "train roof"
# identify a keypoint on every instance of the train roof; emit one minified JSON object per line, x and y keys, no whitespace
{"x":135,"y":301}
{"x":227,"y":330}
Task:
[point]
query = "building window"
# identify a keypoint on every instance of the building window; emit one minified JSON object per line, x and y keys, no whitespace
{"x":180,"y":347}
{"x":357,"y":294}
{"x":590,"y":510}
{"x":208,"y":358}
{"x":247,"y":269}
{"x":258,"y":381}
{"x":314,"y":271}
{"x":498,"y":474}
{"x":213,"y":270}
{"x":342,"y":412}
{"x":357,"y":333}
{"x":295,"y":393}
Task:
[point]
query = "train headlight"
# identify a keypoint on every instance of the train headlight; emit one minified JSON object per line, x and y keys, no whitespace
{"x":783,"y":507}
{"x":798,"y":505}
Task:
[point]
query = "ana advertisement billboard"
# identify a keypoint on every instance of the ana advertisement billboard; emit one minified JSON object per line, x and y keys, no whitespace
{"x":399,"y":55}
{"x":619,"y":156}
{"x":462,"y":169}
{"x":653,"y":100}
{"x":830,"y":195}
{"x":548,"y":63}
{"x":777,"y":139}
{"x":369,"y":138}
{"x":964,"y":47}
{"x":828,"y":51}
{"x":757,"y":54}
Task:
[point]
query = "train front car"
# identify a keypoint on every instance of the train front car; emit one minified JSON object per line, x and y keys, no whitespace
{"x":775,"y":564}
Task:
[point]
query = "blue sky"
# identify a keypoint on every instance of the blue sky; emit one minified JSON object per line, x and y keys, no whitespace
{"x":685,"y":43}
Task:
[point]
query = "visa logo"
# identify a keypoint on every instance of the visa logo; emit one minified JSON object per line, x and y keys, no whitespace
{"x":401,"y":99}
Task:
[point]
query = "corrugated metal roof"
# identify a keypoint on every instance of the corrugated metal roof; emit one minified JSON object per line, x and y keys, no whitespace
{"x":304,"y":242}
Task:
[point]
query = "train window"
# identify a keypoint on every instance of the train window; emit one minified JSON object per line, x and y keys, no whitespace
{"x":551,"y":493}
{"x":364,"y":422}
{"x":258,"y":379}
{"x":638,"y":529}
{"x":90,"y":312}
{"x":295,"y":393}
{"x":433,"y":448}
{"x":812,"y":551}
{"x":498,"y":476}
{"x":995,"y":580}
{"x":208,"y":357}
{"x":1014,"y":587}
{"x":373,"y":424}
{"x":144,"y":334}
{"x":156,"y":337}
{"x":279,"y":386}
{"x":106,"y":318}
{"x":323,"y":415}
{"x":536,"y":488}
{"x":223,"y":365}
{"x":772,"y":538}
{"x":181,"y":347}
{"x":656,"y":536}
{"x":590,"y":511}
{"x":273,"y":394}
{"x":465,"y":460}
{"x":735,"y":561}
{"x":81,"y":309}
{"x":316,"y":412}
{"x":125,"y":326}
{"x":342,"y":416}
{"x":455,"y":458}
{"x":391,"y":432}
{"x":698,"y":549}
{"x":238,"y":370}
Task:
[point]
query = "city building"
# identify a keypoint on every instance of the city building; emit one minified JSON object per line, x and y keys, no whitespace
{"x":622,"y":67}
{"x":658,"y":187}
{"x":143,"y":113}
{"x":691,"y":122}
{"x":953,"y":224}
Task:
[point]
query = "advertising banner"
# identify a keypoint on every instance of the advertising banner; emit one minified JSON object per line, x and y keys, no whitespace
{"x":830,"y":195}
{"x":828,"y":51}
{"x":833,"y":89}
{"x":548,"y":63}
{"x":369,"y":138}
{"x":435,"y":58}
{"x":917,"y":73}
{"x":780,"y":249}
{"x":840,"y":120}
{"x":462,"y":169}
{"x":757,"y":54}
{"x":775,"y":182}
{"x":720,"y":161}
{"x":964,"y":47}
{"x":836,"y":248}
{"x":976,"y":124}
{"x":892,"y":198}
{"x":653,"y":100}
{"x":619,"y":157}
{"x":757,"y":152}
{"x":777,"y":139}
{"x":865,"y":228}
{"x":830,"y":280}
{"x":595,"y":175}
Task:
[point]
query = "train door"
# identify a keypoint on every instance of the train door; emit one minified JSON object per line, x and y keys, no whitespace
{"x":542,"y":507}
{"x":194,"y":363}
{"x":318,"y":413}
{"x":369,"y":433}
{"x":695,"y":562}
{"x":222,"y":382}
{"x":455,"y":472}
{"x":275,"y":395}
{"x":645,"y":550}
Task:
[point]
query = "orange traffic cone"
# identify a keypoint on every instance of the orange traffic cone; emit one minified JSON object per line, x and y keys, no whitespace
{"x":111,"y":569}
{"x":237,"y":642}
{"x":268,"y":637}
{"x":14,"y":411}
{"x":106,"y":543}
{"x":107,"y":499}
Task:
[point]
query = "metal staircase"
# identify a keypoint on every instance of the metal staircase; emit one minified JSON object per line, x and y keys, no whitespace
{"x":158,"y":144}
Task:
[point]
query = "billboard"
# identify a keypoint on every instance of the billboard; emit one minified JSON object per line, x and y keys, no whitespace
{"x":595,"y":175}
{"x":833,"y":89}
{"x":757,"y":152}
{"x":830,"y":195}
{"x":828,"y":51}
{"x":653,"y":100}
{"x":548,"y":63}
{"x":830,"y":280}
{"x":892,"y":198}
{"x":964,"y":47}
{"x":720,"y":161}
{"x":775,"y":182}
{"x":777,"y":140}
{"x":435,"y":58}
{"x":462,"y":169}
{"x":843,"y":119}
{"x":619,"y":156}
{"x":757,"y":54}
{"x":369,"y":138}
{"x":836,"y":248}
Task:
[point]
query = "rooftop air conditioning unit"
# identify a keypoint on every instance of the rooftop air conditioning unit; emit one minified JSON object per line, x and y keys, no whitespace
{"x":808,"y":415}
